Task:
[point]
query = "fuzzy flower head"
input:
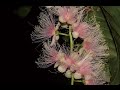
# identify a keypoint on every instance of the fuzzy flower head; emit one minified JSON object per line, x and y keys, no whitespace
{"x":67,"y":14}
{"x":49,"y":57}
{"x":88,"y":45}
{"x":79,"y":60}
{"x":46,"y":29}
{"x":81,"y":30}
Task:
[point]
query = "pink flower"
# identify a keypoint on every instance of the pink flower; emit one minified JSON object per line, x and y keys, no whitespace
{"x":46,"y":29}
{"x":49,"y":57}
{"x":87,"y":45}
{"x":89,"y":80}
{"x":67,"y":14}
{"x":85,"y":68}
{"x":81,"y":30}
{"x":69,"y":61}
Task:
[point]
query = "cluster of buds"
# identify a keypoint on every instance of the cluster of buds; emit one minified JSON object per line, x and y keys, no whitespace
{"x":86,"y":63}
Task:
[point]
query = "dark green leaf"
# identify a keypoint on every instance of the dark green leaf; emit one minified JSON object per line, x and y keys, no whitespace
{"x":111,"y":15}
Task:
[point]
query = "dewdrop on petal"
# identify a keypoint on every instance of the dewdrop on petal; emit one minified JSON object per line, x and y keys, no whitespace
{"x":77,"y":75}
{"x":62,"y":68}
{"x":75,"y":34}
{"x":68,"y":74}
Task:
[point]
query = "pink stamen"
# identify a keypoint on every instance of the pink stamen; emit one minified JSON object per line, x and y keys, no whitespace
{"x":51,"y":31}
{"x":85,"y":68}
{"x":69,"y":61}
{"x":82,"y":29}
{"x":87,"y":45}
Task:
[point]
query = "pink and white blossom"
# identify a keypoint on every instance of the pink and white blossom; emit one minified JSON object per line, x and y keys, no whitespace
{"x":67,"y":14}
{"x":46,"y":28}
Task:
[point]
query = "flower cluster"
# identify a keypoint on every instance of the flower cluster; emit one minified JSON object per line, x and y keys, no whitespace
{"x":88,"y":62}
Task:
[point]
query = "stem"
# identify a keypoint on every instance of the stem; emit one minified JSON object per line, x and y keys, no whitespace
{"x":63,"y":34}
{"x":71,"y":39}
{"x":71,"y":50}
{"x":72,"y":80}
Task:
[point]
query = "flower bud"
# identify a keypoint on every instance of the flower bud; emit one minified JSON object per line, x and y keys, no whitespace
{"x":77,"y":75}
{"x":75,"y":34}
{"x":68,"y":74}
{"x":62,"y":68}
{"x":61,"y":19}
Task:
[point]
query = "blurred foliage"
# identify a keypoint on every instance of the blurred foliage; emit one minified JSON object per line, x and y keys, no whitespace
{"x":22,"y":11}
{"x":111,"y":14}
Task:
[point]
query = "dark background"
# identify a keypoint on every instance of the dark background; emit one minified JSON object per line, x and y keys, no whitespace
{"x":19,"y":53}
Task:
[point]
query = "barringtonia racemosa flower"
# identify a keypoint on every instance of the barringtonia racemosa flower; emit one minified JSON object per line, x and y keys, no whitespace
{"x":46,"y":28}
{"x":68,"y":14}
{"x":81,"y":30}
{"x":66,"y":60}
{"x":96,"y":43}
{"x":87,"y":61}
{"x":98,"y":75}
{"x":51,"y":54}
{"x":93,"y":71}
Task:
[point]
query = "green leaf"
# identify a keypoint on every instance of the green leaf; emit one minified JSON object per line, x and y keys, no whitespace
{"x":23,"y":11}
{"x":111,"y":14}
{"x":110,"y":29}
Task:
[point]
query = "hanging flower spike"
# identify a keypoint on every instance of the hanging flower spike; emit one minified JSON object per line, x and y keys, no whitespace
{"x":46,"y":29}
{"x":81,"y":30}
{"x":49,"y":57}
